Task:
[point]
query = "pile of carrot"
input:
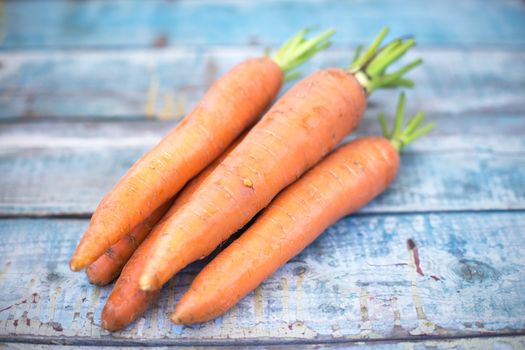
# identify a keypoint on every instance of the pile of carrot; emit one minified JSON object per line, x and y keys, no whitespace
{"x":205,"y":181}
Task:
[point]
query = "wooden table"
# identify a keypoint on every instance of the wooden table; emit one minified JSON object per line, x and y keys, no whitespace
{"x":87,"y":86}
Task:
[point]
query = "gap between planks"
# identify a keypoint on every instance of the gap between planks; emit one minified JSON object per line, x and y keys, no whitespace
{"x":87,"y":215}
{"x":85,"y":341}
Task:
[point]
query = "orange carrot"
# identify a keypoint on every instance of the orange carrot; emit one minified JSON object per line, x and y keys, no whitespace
{"x":299,"y":130}
{"x":230,"y":106}
{"x":126,"y":301}
{"x":339,"y":185}
{"x":108,"y":266}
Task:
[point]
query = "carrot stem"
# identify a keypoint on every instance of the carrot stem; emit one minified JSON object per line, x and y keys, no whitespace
{"x":398,"y":122}
{"x":384,"y":125}
{"x":371,"y":51}
{"x":400,"y":137}
{"x":298,"y":50}
{"x":370,"y":67}
{"x":357,"y":53}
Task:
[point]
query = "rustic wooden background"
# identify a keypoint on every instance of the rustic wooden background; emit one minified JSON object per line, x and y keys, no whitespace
{"x":87,"y":86}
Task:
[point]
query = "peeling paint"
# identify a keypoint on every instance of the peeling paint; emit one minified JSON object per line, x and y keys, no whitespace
{"x":415,"y":252}
{"x":365,"y":326}
{"x":397,"y":314}
{"x":258,"y":303}
{"x":150,"y":107}
{"x":285,"y":299}
{"x":180,"y":107}
{"x":13,"y":305}
{"x":318,"y":289}
{"x":210,"y":71}
{"x":424,"y":325}
{"x":299,"y":273}
{"x":168,"y":111}
{"x":5,"y":269}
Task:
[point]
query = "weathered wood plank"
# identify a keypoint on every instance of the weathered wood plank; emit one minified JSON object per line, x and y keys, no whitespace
{"x":99,"y":23}
{"x":485,"y":342}
{"x":358,"y":281}
{"x":471,"y":163}
{"x":166,"y":84}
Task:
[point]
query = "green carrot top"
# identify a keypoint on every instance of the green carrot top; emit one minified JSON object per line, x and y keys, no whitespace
{"x":399,"y":136}
{"x":298,"y":50}
{"x":369,"y":67}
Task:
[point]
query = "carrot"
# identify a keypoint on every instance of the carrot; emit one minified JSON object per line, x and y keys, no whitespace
{"x":342,"y":183}
{"x":108,"y":266}
{"x":126,"y":301}
{"x":299,"y":130}
{"x":231,"y":105}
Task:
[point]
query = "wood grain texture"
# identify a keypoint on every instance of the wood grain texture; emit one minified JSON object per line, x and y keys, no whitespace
{"x":64,"y":168}
{"x":358,"y":281}
{"x":98,"y":23}
{"x":462,"y":343}
{"x":87,"y":86}
{"x":166,"y":84}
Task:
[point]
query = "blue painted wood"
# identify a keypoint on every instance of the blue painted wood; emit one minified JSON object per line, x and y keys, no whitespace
{"x":484,"y":342}
{"x":99,"y":23}
{"x":358,"y":281}
{"x":469,"y":163}
{"x":166,"y":84}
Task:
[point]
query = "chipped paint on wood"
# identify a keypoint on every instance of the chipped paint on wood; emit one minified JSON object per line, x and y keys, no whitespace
{"x":180,"y":107}
{"x":100,"y":24}
{"x":299,"y":280}
{"x":397,"y":314}
{"x":128,"y":84}
{"x":464,"y":276}
{"x":168,"y":110}
{"x":151,"y":97}
{"x":357,"y":254}
{"x":5,"y":269}
{"x":365,"y":326}
{"x":495,"y":342}
{"x":470,"y":163}
{"x":258,"y":303}
{"x":285,"y":299}
{"x":424,"y":325}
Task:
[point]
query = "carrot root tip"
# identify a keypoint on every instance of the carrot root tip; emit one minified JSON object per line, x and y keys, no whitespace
{"x":75,"y":265}
{"x":175,"y":318}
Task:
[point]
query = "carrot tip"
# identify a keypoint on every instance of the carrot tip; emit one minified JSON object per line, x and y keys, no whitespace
{"x":75,"y":265}
{"x":109,"y":326}
{"x":175,"y":318}
{"x":105,"y":325}
{"x":181,"y":316}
